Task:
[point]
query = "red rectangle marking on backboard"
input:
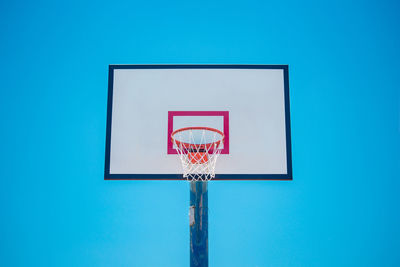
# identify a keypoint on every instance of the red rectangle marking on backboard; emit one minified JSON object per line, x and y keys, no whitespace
{"x":172,"y":114}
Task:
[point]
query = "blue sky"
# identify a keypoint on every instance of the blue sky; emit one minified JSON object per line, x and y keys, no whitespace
{"x":340,"y":209}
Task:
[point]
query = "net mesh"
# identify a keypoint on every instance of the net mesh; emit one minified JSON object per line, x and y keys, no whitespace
{"x":198,"y":152}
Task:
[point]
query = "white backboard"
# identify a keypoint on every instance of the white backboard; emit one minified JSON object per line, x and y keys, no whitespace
{"x":249,"y":103}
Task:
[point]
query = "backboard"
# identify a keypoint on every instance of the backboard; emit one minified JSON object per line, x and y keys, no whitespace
{"x":248,"y":103}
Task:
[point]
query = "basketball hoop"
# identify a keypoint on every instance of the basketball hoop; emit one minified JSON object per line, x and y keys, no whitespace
{"x":198,"y":149}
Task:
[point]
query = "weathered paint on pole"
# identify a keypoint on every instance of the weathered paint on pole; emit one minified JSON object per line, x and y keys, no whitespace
{"x":198,"y":219}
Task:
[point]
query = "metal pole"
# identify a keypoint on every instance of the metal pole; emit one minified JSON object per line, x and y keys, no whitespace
{"x":198,"y":220}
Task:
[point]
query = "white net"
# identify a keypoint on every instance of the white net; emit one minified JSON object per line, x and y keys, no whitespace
{"x":198,"y":151}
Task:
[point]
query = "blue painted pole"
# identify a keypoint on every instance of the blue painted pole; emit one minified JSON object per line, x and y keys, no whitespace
{"x":198,"y":220}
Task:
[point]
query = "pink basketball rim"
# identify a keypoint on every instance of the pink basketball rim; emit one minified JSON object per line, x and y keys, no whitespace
{"x":197,"y":146}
